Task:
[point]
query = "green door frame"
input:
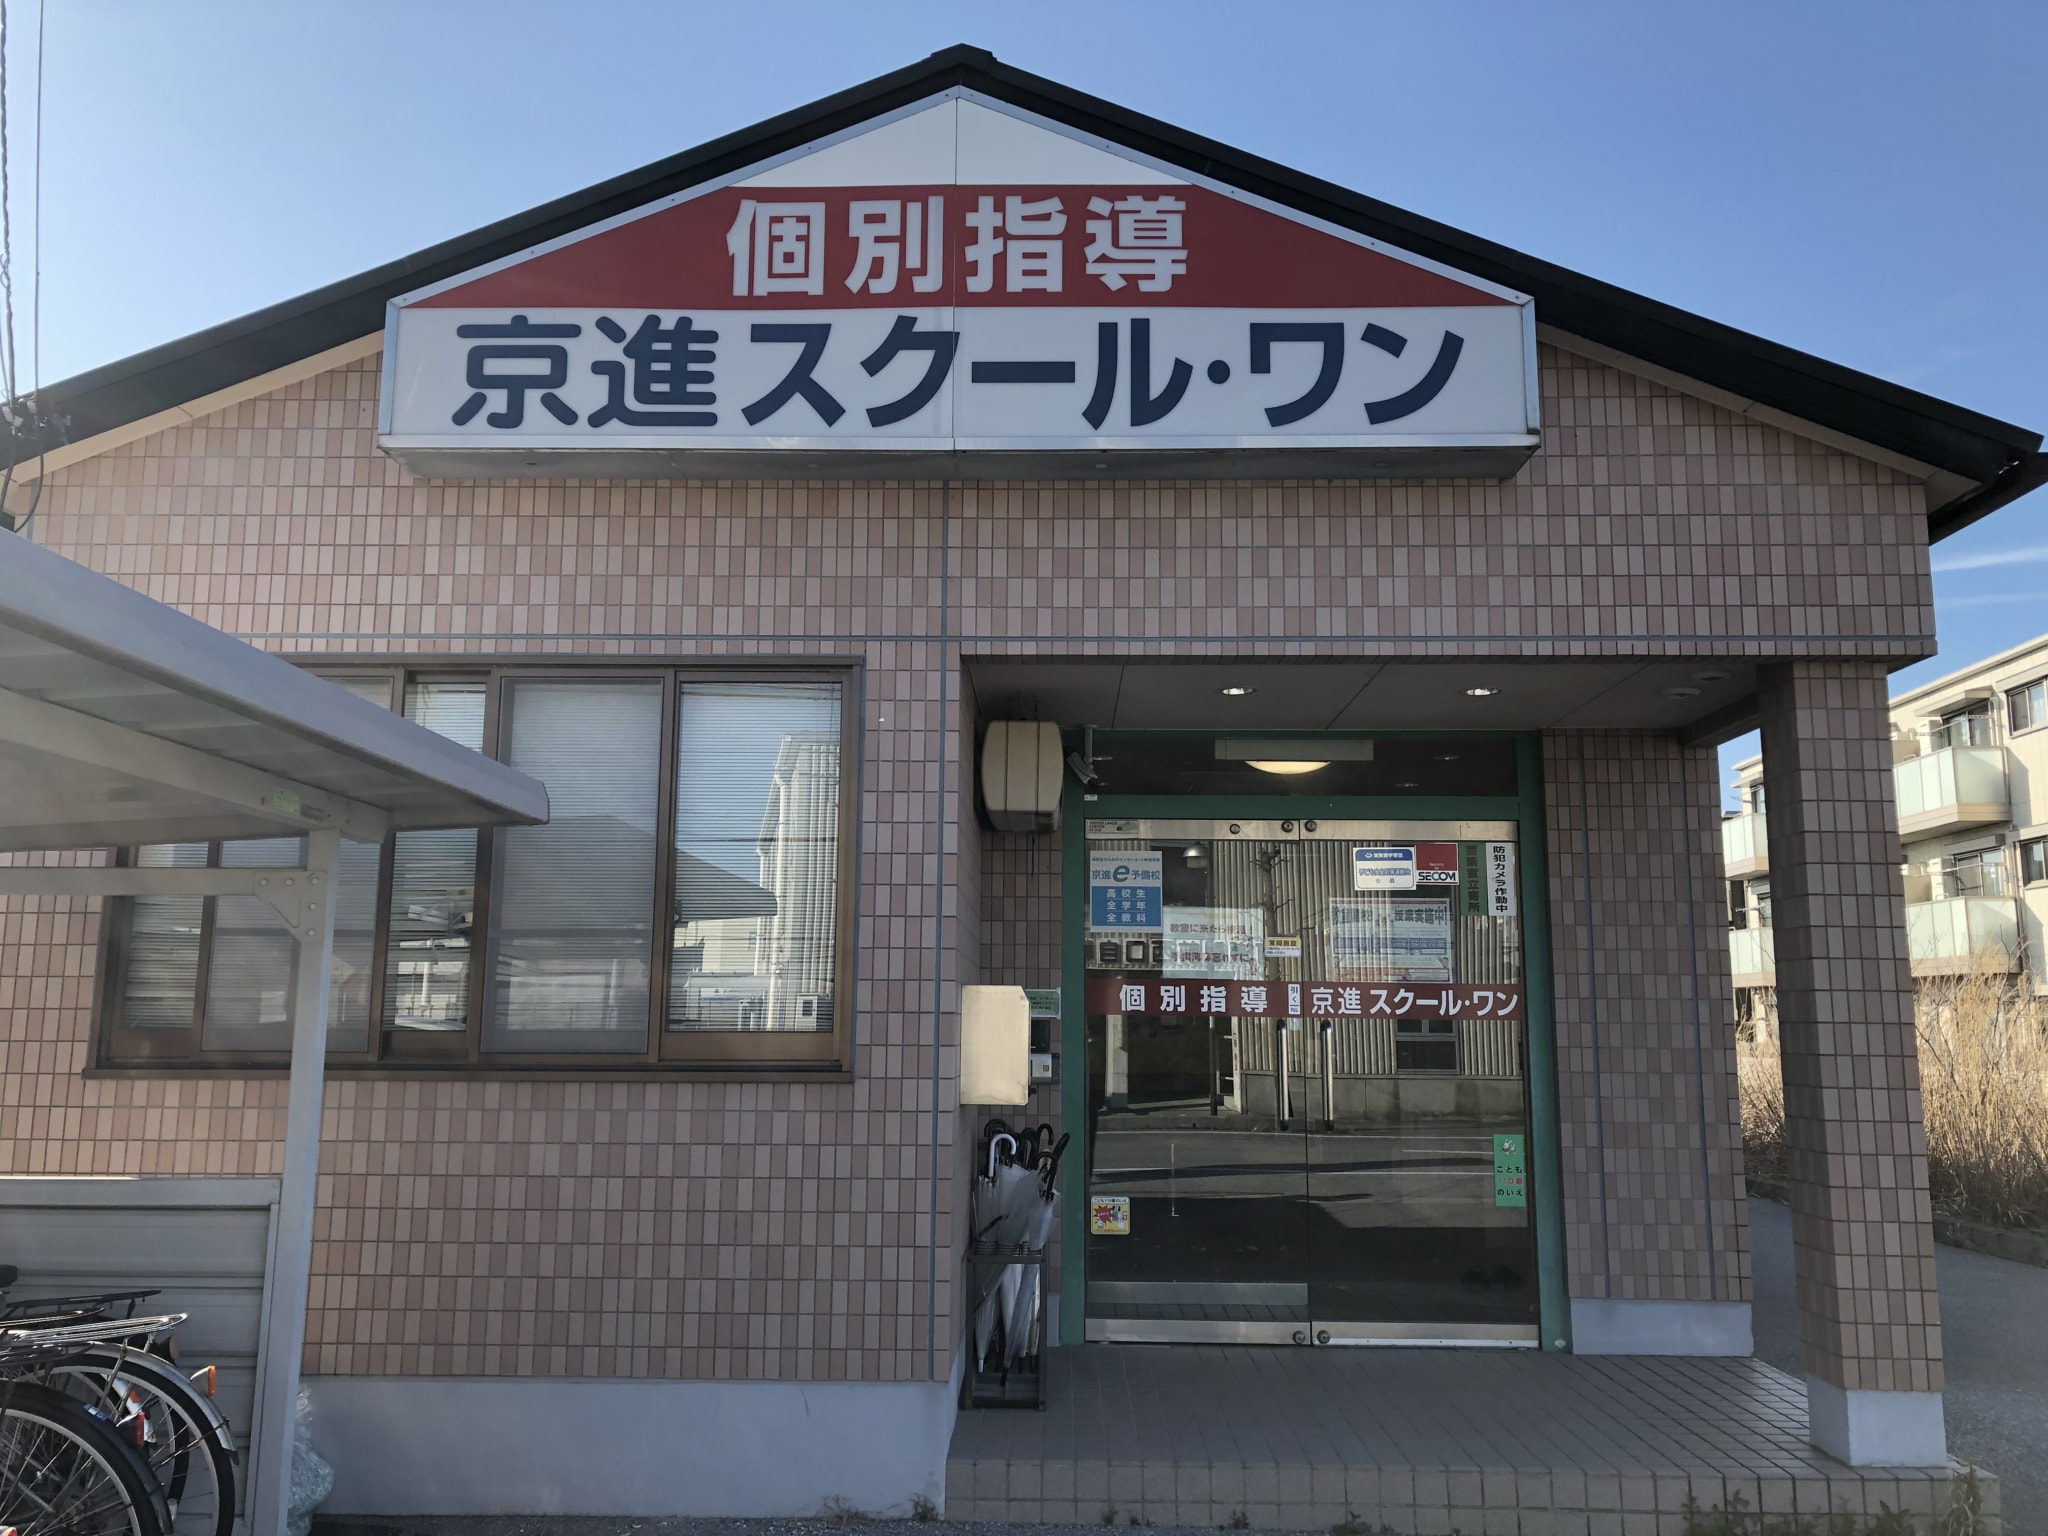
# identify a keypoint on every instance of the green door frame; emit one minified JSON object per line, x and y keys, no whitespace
{"x":1524,"y":808}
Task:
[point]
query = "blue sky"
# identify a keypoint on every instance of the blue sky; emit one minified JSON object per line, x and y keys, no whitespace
{"x":1860,"y":180}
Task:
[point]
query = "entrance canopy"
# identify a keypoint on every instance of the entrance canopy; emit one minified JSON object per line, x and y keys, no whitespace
{"x":124,"y":722}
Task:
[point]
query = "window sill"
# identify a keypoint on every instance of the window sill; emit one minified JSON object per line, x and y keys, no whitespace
{"x":465,"y":1072}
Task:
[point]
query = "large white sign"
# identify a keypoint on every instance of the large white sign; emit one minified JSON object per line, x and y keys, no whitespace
{"x":1383,"y":940}
{"x":938,"y":285}
{"x":1223,"y":942}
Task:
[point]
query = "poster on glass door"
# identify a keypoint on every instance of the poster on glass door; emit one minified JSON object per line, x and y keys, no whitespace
{"x":1223,"y":943}
{"x":1124,"y":890}
{"x":1390,"y":940}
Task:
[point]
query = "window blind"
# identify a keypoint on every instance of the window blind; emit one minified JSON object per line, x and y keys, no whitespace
{"x":433,"y":887}
{"x":572,"y":902}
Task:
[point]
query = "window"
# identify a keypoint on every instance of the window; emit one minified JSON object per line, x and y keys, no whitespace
{"x":2027,"y":707}
{"x":1756,"y":798}
{"x":1978,"y":872}
{"x":1425,"y":1045}
{"x":593,"y":941}
{"x":1966,"y":727}
{"x":2034,"y":861}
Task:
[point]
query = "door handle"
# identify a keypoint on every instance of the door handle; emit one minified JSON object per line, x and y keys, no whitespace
{"x":1281,"y":1106}
{"x":1329,"y":1080}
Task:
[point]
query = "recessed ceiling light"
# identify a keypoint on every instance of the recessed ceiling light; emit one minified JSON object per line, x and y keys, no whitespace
{"x":1712,"y":675}
{"x":1103,"y":464}
{"x":1681,"y":691}
{"x":1481,"y":693}
{"x":1284,"y":765}
{"x":1408,"y":784}
{"x":1447,"y":757}
{"x":1237,"y":690}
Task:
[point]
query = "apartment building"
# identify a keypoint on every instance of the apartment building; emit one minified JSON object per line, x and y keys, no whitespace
{"x":1970,"y":770}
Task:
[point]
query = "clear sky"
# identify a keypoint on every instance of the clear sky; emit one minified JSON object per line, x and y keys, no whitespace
{"x":1861,"y":180}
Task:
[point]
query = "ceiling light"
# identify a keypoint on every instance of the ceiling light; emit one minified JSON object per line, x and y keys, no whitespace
{"x":1237,"y":690}
{"x":1447,"y":757}
{"x":1481,"y":692}
{"x":1712,"y":675}
{"x":1408,"y":784}
{"x":1681,"y":691}
{"x":1284,"y":765}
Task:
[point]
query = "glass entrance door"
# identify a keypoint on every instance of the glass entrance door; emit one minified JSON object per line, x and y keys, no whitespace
{"x":1307,"y":1083}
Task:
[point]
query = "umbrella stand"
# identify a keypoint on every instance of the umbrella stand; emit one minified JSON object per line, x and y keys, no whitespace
{"x":1002,"y":1371}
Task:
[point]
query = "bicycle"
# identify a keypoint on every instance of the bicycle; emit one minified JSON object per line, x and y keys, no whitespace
{"x":132,"y":1376}
{"x":66,"y":1468}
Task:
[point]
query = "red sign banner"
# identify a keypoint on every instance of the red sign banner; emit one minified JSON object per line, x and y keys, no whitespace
{"x":1304,"y":999}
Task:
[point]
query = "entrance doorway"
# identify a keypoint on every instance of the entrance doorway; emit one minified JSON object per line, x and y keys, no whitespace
{"x":1307,"y":1083}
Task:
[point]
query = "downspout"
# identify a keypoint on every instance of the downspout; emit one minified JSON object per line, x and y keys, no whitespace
{"x":931,"y":1308}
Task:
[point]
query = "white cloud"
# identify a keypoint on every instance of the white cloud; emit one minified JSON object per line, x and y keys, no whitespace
{"x":2032,"y":554}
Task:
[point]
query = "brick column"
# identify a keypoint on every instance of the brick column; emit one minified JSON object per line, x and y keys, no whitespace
{"x":1862,"y":1227}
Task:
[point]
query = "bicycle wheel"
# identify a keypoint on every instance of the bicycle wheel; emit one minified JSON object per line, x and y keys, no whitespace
{"x":189,"y":1446}
{"x":64,"y":1471}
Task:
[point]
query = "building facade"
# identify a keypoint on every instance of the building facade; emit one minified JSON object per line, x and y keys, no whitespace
{"x":1967,"y":756}
{"x":1380,"y":893}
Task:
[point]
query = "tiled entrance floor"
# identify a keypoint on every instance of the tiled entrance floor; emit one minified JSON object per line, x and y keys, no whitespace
{"x":1424,"y":1441}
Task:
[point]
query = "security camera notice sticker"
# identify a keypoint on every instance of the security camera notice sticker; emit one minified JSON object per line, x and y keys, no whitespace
{"x":1109,"y":1216}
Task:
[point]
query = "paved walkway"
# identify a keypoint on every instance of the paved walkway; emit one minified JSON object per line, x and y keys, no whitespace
{"x":1994,"y":1331}
{"x":1422,"y":1440}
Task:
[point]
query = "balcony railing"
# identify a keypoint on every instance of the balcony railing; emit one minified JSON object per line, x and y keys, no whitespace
{"x":1744,"y":845}
{"x":1948,"y":937}
{"x":1752,"y":957}
{"x":1955,"y":787}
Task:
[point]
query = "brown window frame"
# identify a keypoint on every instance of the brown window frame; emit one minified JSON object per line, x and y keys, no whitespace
{"x":722,"y":1053}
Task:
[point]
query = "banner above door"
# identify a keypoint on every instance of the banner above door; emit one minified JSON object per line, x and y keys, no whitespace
{"x":960,"y":288}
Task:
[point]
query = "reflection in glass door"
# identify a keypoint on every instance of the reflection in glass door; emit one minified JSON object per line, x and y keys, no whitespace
{"x":1307,"y":1082}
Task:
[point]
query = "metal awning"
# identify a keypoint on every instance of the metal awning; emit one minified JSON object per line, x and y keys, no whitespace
{"x":123,"y":721}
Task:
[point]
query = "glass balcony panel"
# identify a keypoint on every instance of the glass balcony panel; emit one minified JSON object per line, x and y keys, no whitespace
{"x":1752,"y":956}
{"x":1952,"y":935}
{"x":1957,"y":786}
{"x":1745,"y":843}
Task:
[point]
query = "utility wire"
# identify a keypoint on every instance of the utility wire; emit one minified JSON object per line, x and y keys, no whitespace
{"x":6,"y":224}
{"x":22,"y":413}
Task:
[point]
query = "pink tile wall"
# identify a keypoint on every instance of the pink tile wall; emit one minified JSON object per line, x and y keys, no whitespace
{"x":783,"y":1230}
{"x":1650,"y":1134}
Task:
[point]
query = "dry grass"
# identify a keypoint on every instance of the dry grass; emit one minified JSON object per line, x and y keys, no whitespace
{"x":1984,"y":1095}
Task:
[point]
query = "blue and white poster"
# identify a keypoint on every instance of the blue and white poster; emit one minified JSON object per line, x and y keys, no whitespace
{"x":1124,"y":891}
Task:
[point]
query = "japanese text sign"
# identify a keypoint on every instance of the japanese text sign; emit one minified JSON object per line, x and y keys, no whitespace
{"x":1510,"y":1171}
{"x":1380,"y":940}
{"x":1500,"y":880}
{"x":949,"y":297}
{"x":1214,"y":941}
{"x":1383,"y":869}
{"x":1124,"y":891}
{"x":1305,"y":999}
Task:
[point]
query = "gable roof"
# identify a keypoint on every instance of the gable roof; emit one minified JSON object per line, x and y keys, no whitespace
{"x":1979,"y":462}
